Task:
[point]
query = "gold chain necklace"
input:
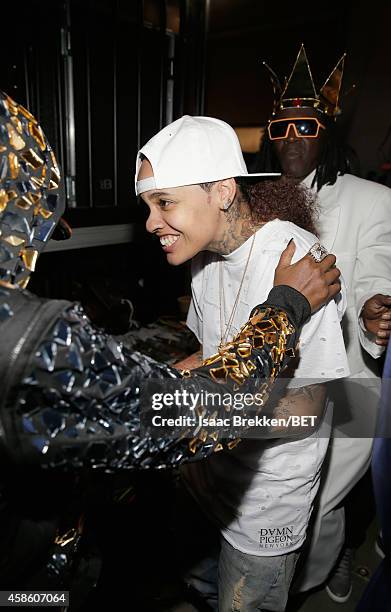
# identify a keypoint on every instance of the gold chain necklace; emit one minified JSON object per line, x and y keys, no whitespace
{"x":225,"y":335}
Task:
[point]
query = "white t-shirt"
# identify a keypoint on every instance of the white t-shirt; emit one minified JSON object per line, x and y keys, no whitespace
{"x":261,"y":493}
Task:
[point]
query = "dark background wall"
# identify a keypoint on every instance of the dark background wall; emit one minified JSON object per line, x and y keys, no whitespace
{"x":102,"y":76}
{"x":244,"y":32}
{"x":369,"y":122}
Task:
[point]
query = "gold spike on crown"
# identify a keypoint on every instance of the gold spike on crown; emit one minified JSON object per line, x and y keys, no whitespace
{"x":299,"y":90}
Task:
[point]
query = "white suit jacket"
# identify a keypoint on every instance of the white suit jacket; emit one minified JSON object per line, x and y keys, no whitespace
{"x":355,"y":224}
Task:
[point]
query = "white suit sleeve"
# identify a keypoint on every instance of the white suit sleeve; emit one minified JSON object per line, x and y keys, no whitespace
{"x":373,"y":266}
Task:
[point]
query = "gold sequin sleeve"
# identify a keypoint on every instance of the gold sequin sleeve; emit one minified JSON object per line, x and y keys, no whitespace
{"x":249,"y":363}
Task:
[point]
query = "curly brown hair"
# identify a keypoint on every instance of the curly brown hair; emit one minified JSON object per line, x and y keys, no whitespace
{"x":283,"y":199}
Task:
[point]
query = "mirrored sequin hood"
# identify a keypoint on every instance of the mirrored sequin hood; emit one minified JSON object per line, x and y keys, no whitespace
{"x":30,"y":206}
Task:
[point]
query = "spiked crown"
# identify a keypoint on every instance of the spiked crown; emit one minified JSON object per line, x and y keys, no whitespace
{"x":299,"y":89}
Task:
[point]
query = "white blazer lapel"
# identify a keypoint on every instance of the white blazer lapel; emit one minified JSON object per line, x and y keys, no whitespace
{"x":327,"y":225}
{"x":329,"y":212}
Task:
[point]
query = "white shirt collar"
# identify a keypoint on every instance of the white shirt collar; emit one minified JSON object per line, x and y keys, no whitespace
{"x":308,"y":179}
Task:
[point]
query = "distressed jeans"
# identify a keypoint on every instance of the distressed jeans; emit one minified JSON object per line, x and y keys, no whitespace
{"x":249,"y":583}
{"x":228,"y":579}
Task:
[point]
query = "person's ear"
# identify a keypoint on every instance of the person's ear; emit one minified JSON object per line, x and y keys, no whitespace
{"x":226,"y":191}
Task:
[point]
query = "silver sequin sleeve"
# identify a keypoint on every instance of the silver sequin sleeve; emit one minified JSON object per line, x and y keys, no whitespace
{"x":78,"y":401}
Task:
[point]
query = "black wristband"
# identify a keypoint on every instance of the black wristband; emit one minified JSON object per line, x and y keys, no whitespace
{"x":293,"y":302}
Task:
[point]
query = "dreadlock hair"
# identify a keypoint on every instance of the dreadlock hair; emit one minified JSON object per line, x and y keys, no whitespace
{"x":336,"y":158}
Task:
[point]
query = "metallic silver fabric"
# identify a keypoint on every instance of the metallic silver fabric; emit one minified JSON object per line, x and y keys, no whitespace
{"x":78,"y":401}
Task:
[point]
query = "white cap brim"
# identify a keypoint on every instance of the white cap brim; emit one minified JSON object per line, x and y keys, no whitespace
{"x":150,"y":183}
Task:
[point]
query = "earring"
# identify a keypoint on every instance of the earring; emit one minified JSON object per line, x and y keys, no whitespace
{"x":227,"y":205}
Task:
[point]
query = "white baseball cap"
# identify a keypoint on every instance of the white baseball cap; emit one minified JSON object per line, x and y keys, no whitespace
{"x":192,"y":150}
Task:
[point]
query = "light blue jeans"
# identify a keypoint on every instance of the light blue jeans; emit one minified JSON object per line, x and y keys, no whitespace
{"x":248,"y":583}
{"x":228,"y":579}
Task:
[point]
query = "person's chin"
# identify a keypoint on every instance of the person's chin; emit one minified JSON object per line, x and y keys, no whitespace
{"x":294,"y":171}
{"x":176,"y":259}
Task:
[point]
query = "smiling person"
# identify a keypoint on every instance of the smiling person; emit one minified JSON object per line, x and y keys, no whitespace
{"x":203,"y":206}
{"x":303,"y":141}
{"x":70,"y":395}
